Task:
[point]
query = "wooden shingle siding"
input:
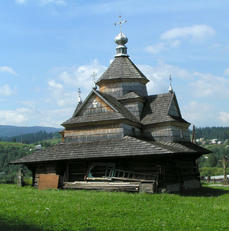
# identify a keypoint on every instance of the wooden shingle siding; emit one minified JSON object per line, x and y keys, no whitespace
{"x":135,"y":108}
{"x":94,"y":105}
{"x":94,"y":130}
{"x":168,"y":133}
{"x":93,"y":138}
{"x":131,"y":131}
{"x":119,"y":89}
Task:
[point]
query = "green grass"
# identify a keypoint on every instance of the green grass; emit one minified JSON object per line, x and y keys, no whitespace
{"x":30,"y":209}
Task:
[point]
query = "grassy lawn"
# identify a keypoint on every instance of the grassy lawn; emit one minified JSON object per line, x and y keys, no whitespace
{"x":30,"y":209}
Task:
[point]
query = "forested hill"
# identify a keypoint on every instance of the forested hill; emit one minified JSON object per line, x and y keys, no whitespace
{"x":31,"y":138}
{"x":220,"y":133}
{"x":9,"y":131}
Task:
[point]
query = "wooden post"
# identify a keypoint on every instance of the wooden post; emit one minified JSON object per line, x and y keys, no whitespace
{"x":193,"y":134}
{"x":20,"y":177}
{"x":225,"y":169}
{"x":62,"y":135}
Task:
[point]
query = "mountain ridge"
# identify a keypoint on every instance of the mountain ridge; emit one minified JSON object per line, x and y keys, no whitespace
{"x":10,"y":130}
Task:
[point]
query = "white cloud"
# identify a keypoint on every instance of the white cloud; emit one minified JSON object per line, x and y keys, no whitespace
{"x":206,"y":85}
{"x":226,"y":71}
{"x":156,"y":48}
{"x":172,"y":38}
{"x":53,"y":84}
{"x":224,"y":117}
{"x":63,"y":89}
{"x":5,"y":90}
{"x":159,"y":76}
{"x":21,"y":1}
{"x":197,"y":112}
{"x":81,"y":76}
{"x":7,"y":69}
{"x":195,"y":32}
{"x":11,"y":117}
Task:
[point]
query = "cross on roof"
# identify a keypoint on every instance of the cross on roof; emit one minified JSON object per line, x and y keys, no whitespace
{"x":120,"y":23}
{"x":170,"y":83}
{"x":79,"y":96}
{"x":93,"y":75}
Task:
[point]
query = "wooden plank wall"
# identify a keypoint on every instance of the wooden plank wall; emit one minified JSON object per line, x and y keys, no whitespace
{"x":118,"y":89}
{"x":170,"y":173}
{"x":77,"y":170}
{"x":168,"y":133}
{"x":43,"y":169}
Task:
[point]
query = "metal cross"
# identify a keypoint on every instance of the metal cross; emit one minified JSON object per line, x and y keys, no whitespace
{"x":170,"y":83}
{"x":79,"y":91}
{"x":93,"y":75}
{"x":120,"y":23}
{"x":170,"y":79}
{"x":79,"y":95}
{"x":94,"y":103}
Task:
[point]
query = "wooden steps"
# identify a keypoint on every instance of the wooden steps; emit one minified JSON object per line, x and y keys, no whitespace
{"x":106,"y":186}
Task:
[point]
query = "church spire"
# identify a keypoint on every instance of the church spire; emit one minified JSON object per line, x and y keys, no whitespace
{"x":121,"y":40}
{"x":79,"y":96}
{"x":170,"y":84}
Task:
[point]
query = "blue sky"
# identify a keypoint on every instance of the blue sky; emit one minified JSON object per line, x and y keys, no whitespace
{"x":50,"y":48}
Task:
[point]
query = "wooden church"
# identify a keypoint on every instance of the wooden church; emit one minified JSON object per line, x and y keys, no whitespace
{"x":120,"y":138}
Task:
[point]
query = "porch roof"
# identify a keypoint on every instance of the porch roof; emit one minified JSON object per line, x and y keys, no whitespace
{"x":125,"y":147}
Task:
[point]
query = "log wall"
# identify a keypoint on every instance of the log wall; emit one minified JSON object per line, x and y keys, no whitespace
{"x":48,"y":168}
{"x":135,"y":108}
{"x":118,"y":89}
{"x":167,"y":133}
{"x":170,"y":174}
{"x":93,"y":133}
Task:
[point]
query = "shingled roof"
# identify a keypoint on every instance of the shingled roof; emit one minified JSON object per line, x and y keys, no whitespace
{"x":125,"y":147}
{"x":156,"y":109}
{"x":120,"y":111}
{"x":122,"y":68}
{"x":130,"y":95}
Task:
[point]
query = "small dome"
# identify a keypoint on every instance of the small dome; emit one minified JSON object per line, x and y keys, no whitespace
{"x":121,"y":39}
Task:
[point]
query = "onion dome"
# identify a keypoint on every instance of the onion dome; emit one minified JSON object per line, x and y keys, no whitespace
{"x":121,"y":49}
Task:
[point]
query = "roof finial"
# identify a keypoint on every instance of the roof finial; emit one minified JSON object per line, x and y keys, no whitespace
{"x":120,"y":23}
{"x":170,"y":83}
{"x":79,"y":96}
{"x":93,"y":75}
{"x":121,"y":40}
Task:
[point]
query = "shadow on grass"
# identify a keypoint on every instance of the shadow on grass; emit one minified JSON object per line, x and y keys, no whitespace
{"x":17,"y":226}
{"x":20,"y":226}
{"x":205,"y":192}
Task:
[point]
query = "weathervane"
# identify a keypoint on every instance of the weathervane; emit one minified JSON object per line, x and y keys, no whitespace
{"x":93,"y":75}
{"x":170,"y":83}
{"x":120,"y":23}
{"x":79,"y":96}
